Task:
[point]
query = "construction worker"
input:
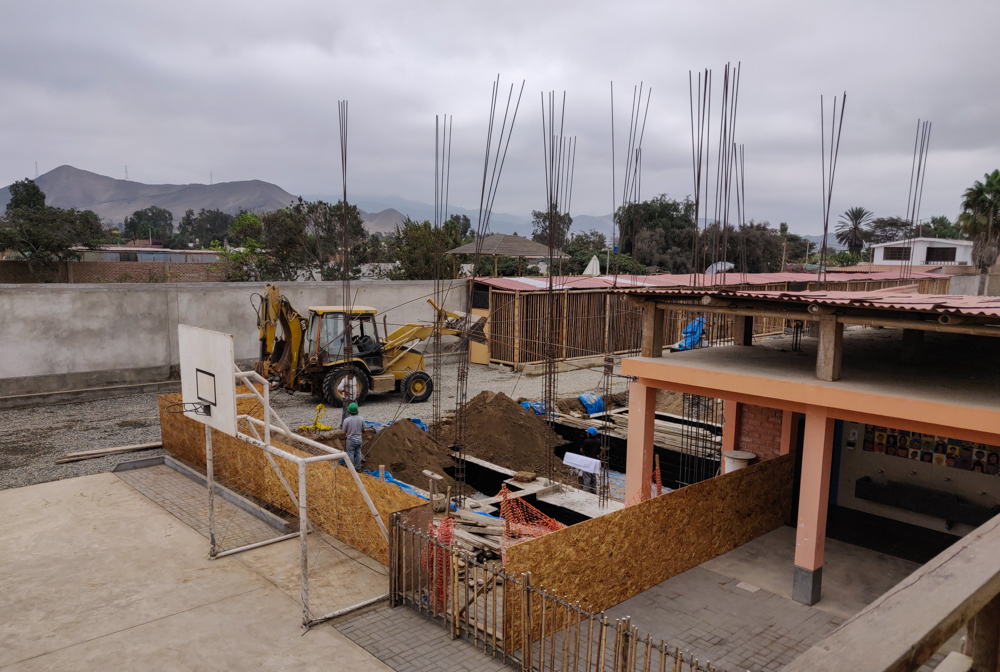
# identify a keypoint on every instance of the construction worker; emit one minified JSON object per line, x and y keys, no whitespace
{"x":591,"y":447}
{"x":353,"y":426}
{"x":348,"y":389}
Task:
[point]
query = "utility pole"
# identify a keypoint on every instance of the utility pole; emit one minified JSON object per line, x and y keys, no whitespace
{"x":784,"y":246}
{"x":36,"y":170}
{"x":126,"y":172}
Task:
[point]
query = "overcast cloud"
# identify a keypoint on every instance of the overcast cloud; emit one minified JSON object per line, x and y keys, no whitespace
{"x":249,"y":90}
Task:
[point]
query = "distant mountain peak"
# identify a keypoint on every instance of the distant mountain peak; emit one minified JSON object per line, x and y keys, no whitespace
{"x":115,"y":199}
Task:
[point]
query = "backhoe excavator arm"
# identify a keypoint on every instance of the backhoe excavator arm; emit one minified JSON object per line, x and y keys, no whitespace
{"x":282,"y":331}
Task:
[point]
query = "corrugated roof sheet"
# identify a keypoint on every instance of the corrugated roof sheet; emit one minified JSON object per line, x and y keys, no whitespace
{"x":890,"y":298}
{"x":677,"y":280}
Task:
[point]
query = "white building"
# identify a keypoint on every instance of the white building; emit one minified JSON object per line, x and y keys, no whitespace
{"x":924,"y":252}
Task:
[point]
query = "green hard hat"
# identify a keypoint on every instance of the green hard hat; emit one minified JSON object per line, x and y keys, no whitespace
{"x":353,"y":408}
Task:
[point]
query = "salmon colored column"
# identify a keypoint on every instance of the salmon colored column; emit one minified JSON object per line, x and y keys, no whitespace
{"x":789,"y":427}
{"x":639,"y":460}
{"x":814,"y":498}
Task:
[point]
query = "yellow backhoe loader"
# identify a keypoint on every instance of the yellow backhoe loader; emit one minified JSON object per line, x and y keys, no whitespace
{"x":297,"y":353}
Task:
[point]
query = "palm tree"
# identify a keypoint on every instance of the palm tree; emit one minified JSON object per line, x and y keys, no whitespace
{"x":853,"y":229}
{"x":980,"y":207}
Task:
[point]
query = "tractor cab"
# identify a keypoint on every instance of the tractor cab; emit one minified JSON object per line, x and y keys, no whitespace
{"x":327,"y":332}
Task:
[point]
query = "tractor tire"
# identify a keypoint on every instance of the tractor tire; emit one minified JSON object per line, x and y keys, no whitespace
{"x":417,"y":386}
{"x":332,"y":396}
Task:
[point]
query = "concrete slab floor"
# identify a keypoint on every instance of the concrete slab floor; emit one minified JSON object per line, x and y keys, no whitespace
{"x":96,"y":577}
{"x":852,"y":576}
{"x":736,"y":610}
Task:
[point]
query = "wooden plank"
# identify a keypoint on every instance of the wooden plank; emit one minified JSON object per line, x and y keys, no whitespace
{"x":475,"y":539}
{"x":743,"y":330}
{"x":101,"y":452}
{"x":902,"y":629}
{"x":652,"y":331}
{"x":831,"y":347}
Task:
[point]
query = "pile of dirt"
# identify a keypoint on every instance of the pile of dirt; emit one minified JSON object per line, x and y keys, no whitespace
{"x":669,"y":401}
{"x":501,"y":431}
{"x":405,"y":450}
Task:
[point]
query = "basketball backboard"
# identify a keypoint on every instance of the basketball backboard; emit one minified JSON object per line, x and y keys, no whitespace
{"x":208,"y":383}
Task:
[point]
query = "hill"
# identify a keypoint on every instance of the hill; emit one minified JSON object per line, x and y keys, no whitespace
{"x":111,"y":199}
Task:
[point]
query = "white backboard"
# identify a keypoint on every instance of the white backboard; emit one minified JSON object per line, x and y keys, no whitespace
{"x":207,"y":377}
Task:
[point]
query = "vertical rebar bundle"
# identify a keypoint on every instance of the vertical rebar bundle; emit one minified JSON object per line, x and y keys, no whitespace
{"x":918,"y":173}
{"x":442,"y":177}
{"x":724,"y":167}
{"x":345,"y":248}
{"x":492,"y":169}
{"x":829,"y":170}
{"x":558,"y":153}
{"x":700,"y":103}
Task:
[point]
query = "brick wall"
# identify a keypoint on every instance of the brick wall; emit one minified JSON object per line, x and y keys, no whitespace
{"x":760,"y":431}
{"x":116,"y":271}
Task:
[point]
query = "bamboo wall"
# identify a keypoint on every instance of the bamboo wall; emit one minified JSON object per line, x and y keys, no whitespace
{"x":606,"y":560}
{"x":592,"y":322}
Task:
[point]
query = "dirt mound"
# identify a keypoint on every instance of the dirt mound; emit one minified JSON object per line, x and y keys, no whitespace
{"x":405,"y":450}
{"x":669,"y":401}
{"x":500,"y":430}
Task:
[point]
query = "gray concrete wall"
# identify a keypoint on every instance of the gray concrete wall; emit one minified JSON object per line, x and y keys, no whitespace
{"x":67,"y":337}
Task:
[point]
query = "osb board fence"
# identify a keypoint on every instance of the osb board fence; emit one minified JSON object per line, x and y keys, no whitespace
{"x":606,"y":560}
{"x":335,"y":505}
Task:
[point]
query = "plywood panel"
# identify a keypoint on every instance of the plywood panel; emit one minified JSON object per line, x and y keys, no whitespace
{"x":335,"y":504}
{"x":606,"y":560}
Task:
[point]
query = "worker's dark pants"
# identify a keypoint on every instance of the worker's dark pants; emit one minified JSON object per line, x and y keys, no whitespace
{"x":588,"y":481}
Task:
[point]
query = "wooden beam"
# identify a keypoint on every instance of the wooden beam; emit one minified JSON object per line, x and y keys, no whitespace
{"x":652,"y":331}
{"x":101,"y":452}
{"x":743,"y":330}
{"x":922,"y":325}
{"x":738,"y":310}
{"x":831,"y":348}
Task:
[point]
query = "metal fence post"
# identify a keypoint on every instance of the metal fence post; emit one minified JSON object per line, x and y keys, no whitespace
{"x":303,"y":544}
{"x":210,"y":482}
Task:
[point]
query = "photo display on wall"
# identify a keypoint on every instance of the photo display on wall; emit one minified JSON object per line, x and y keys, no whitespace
{"x":939,"y":450}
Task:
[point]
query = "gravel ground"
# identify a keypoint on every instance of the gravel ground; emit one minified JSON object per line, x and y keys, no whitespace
{"x":31,"y":439}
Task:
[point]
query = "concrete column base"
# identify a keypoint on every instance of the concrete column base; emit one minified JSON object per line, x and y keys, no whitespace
{"x":807,"y":585}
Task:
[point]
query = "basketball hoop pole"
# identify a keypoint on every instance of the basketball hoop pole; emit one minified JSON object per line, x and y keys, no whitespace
{"x":209,"y":477}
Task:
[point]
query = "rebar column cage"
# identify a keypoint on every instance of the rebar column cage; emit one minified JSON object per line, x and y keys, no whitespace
{"x":262,"y":431}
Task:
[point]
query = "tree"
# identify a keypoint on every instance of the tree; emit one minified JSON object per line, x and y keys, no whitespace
{"x":25,"y":194}
{"x":980,"y":206}
{"x":590,"y":240}
{"x":418,"y":248}
{"x":46,"y":236}
{"x":795,"y":246}
{"x":540,"y":228}
{"x":203,"y":229}
{"x":152,"y":222}
{"x":852,"y":230}
{"x":670,"y":250}
{"x":888,"y":229}
{"x":942,"y":227}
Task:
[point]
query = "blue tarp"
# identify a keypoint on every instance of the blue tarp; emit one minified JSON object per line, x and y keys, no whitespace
{"x":691,"y":335}
{"x":405,"y":487}
{"x":537,"y":406}
{"x":593,"y":403}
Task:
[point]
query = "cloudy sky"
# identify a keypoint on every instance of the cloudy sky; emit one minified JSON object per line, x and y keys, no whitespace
{"x":249,"y":90}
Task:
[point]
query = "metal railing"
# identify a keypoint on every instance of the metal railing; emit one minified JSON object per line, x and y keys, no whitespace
{"x":509,"y":618}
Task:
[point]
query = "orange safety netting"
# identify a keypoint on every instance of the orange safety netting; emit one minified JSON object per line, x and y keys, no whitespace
{"x":435,"y":557}
{"x":521,"y":520}
{"x":655,"y":491}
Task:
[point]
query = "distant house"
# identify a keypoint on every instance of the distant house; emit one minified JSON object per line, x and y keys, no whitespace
{"x":133,"y":253}
{"x":923,"y":252}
